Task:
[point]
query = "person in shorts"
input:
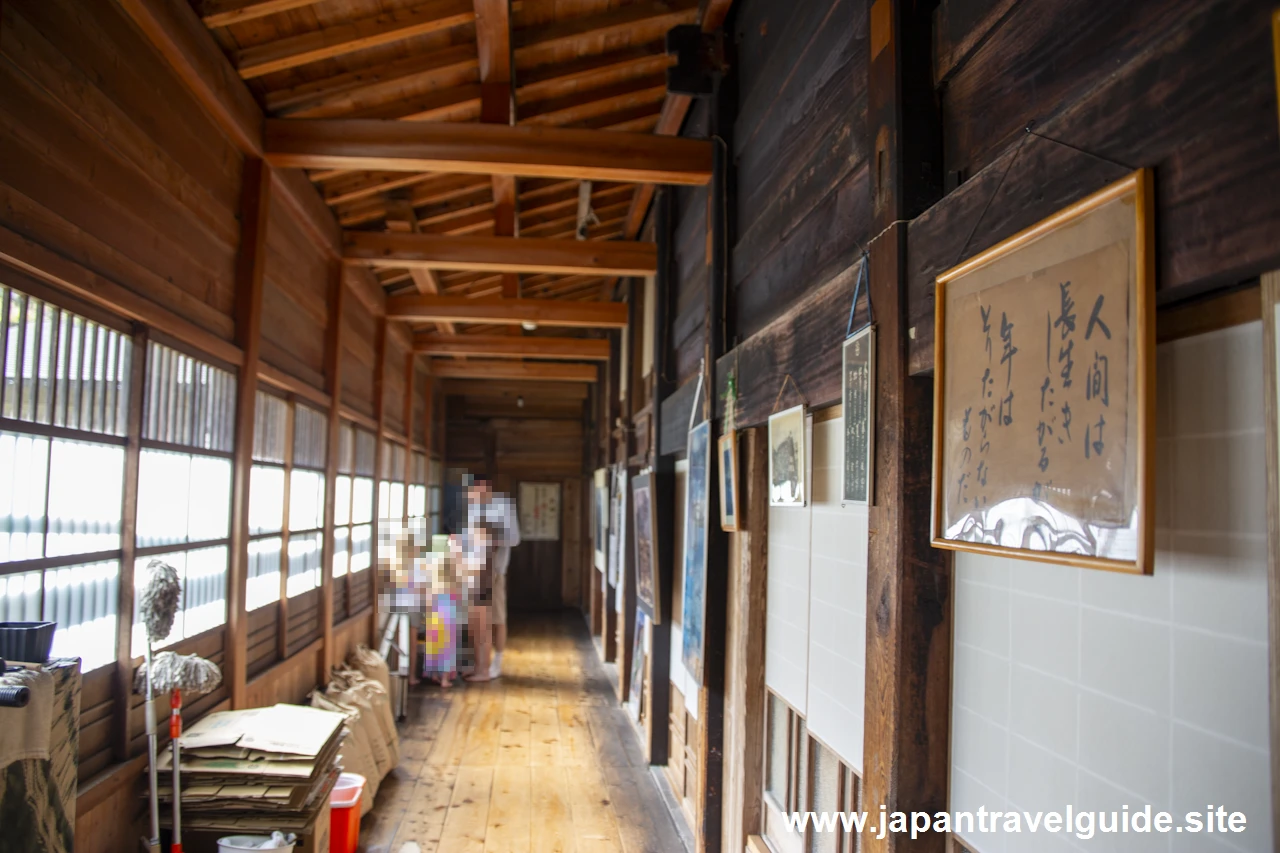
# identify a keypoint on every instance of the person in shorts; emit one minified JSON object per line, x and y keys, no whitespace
{"x":498,"y":512}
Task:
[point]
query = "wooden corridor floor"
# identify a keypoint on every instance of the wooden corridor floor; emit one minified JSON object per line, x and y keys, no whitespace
{"x":543,"y":760}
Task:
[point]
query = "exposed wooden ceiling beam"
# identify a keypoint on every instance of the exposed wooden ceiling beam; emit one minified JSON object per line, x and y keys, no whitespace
{"x":499,"y":254}
{"x":517,"y":370}
{"x":337,"y":95}
{"x":424,"y":280}
{"x":590,"y":103}
{"x":507,"y":312}
{"x":637,"y":22}
{"x":554,"y":81}
{"x":508,"y":346}
{"x":224,"y":13}
{"x":507,"y":390}
{"x":462,"y":103}
{"x":487,"y":149}
{"x":356,"y":35}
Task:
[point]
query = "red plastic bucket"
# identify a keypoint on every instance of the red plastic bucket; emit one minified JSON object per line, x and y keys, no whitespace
{"x":344,"y":813}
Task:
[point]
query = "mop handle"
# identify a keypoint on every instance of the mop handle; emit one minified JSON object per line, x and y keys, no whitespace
{"x":175,"y":732}
{"x":153,"y":843}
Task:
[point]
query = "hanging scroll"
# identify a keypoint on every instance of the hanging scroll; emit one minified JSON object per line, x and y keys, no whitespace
{"x":539,"y":510}
{"x":600,"y":516}
{"x":697,"y":495}
{"x":1043,"y":376}
{"x":858,"y":387}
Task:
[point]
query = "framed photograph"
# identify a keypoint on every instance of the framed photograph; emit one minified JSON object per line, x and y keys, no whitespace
{"x":1044,"y":377}
{"x":600,"y":516}
{"x":858,"y":391}
{"x":697,"y":488}
{"x":635,"y":691}
{"x":617,"y":525}
{"x":787,"y":484}
{"x":729,"y":480}
{"x":648,"y":580}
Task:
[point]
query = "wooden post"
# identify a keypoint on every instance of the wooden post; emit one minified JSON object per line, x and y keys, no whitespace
{"x":744,"y":664}
{"x":123,"y":699}
{"x":333,"y":384}
{"x":250,"y":262}
{"x":408,"y":430}
{"x":908,"y":582}
{"x":282,"y":623}
{"x":1270,"y":296}
{"x":658,"y":728}
{"x":380,"y":413}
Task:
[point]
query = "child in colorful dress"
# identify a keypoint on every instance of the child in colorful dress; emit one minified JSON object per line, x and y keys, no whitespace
{"x":445,"y":616}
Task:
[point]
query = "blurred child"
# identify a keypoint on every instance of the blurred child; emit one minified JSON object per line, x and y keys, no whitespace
{"x":477,"y":558}
{"x":444,"y":618}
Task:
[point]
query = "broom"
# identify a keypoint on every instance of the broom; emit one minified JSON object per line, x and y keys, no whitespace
{"x":157,"y":606}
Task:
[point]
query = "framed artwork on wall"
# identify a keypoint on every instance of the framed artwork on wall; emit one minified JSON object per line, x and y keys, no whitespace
{"x":648,"y":579}
{"x":600,"y":516}
{"x":617,"y":525}
{"x":697,"y":493}
{"x":1044,"y":378}
{"x":539,"y":510}
{"x":858,"y":392}
{"x":787,"y":484}
{"x":635,"y":693}
{"x":729,"y":480}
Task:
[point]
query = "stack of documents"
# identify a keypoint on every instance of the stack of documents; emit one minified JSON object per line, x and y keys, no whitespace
{"x":261,"y":769}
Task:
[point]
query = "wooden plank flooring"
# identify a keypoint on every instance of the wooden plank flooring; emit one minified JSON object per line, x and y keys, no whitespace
{"x":543,"y":761}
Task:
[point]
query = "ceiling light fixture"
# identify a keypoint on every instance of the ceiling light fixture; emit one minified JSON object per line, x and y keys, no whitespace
{"x":529,"y":325}
{"x":519,"y":402}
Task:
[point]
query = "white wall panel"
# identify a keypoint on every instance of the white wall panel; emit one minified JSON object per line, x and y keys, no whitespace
{"x":1098,"y":689}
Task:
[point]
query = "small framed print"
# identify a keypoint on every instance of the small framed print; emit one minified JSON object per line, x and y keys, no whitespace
{"x":858,"y":391}
{"x":729,"y":480}
{"x":787,"y":475}
{"x":648,"y":579}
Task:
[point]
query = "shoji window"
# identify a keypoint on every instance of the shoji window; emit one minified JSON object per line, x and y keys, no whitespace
{"x":306,"y":500}
{"x":63,"y":415}
{"x":353,"y":501}
{"x":184,"y":485}
{"x":391,"y":482}
{"x":435,"y":495}
{"x":266,"y":499}
{"x":418,"y":487}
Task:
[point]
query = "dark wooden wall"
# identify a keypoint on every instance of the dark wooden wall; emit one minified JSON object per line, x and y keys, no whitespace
{"x":800,"y":151}
{"x":690,"y":261}
{"x":1184,"y":86}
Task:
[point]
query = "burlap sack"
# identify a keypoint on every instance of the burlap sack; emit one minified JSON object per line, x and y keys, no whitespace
{"x":352,"y":683}
{"x":372,"y":665}
{"x":368,"y":721}
{"x":356,"y":755}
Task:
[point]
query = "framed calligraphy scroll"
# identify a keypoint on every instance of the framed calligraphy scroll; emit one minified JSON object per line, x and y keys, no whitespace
{"x":1044,"y":368}
{"x":858,"y":391}
{"x":648,"y":580}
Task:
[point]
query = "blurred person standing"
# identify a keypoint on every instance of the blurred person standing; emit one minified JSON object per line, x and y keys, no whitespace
{"x":498,"y":512}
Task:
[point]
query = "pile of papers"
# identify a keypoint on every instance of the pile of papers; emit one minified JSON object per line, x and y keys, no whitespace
{"x":258,"y":769}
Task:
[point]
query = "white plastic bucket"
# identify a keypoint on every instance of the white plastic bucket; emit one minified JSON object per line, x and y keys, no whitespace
{"x":237,"y":843}
{"x":346,"y":793}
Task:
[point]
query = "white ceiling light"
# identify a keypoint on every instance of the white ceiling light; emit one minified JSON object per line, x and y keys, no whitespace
{"x":529,"y":325}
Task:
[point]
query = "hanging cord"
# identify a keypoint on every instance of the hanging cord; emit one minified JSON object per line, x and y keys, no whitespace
{"x":974,"y":230}
{"x":863,"y":278}
{"x":778,"y":399}
{"x":1100,"y":158}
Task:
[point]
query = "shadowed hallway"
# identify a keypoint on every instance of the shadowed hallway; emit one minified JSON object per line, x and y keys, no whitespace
{"x":542,"y":760}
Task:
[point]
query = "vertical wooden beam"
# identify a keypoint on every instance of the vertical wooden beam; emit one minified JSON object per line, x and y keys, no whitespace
{"x":609,"y":617}
{"x":1270,"y":295}
{"x":123,"y":699}
{"x":908,"y":582}
{"x":493,"y":45}
{"x":333,"y":384}
{"x":409,"y":382}
{"x":744,"y":663}
{"x":658,"y":728}
{"x":255,"y":204}
{"x":380,"y":413}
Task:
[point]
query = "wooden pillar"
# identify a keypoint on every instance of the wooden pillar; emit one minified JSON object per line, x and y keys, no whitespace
{"x":380,"y":413}
{"x":744,"y":663}
{"x":123,"y":700}
{"x":657,"y":724}
{"x":409,"y":382}
{"x":333,"y":384}
{"x":908,"y":582}
{"x":609,"y":611}
{"x":250,"y":262}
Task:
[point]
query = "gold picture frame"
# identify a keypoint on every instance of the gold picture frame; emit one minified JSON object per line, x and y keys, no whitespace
{"x":729,"y":509}
{"x":1011,"y":477}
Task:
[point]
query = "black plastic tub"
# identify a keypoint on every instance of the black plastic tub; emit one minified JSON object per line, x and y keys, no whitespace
{"x":28,"y":642}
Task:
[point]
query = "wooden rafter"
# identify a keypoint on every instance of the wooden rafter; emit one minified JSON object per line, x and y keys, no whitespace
{"x":224,"y":13}
{"x":499,"y":254}
{"x":493,"y":49}
{"x":506,"y":346}
{"x":352,"y":36}
{"x":514,"y":370}
{"x":591,"y":71}
{"x":543,"y":312}
{"x":638,"y":22}
{"x":424,"y":280}
{"x":487,"y":149}
{"x":592,"y":103}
